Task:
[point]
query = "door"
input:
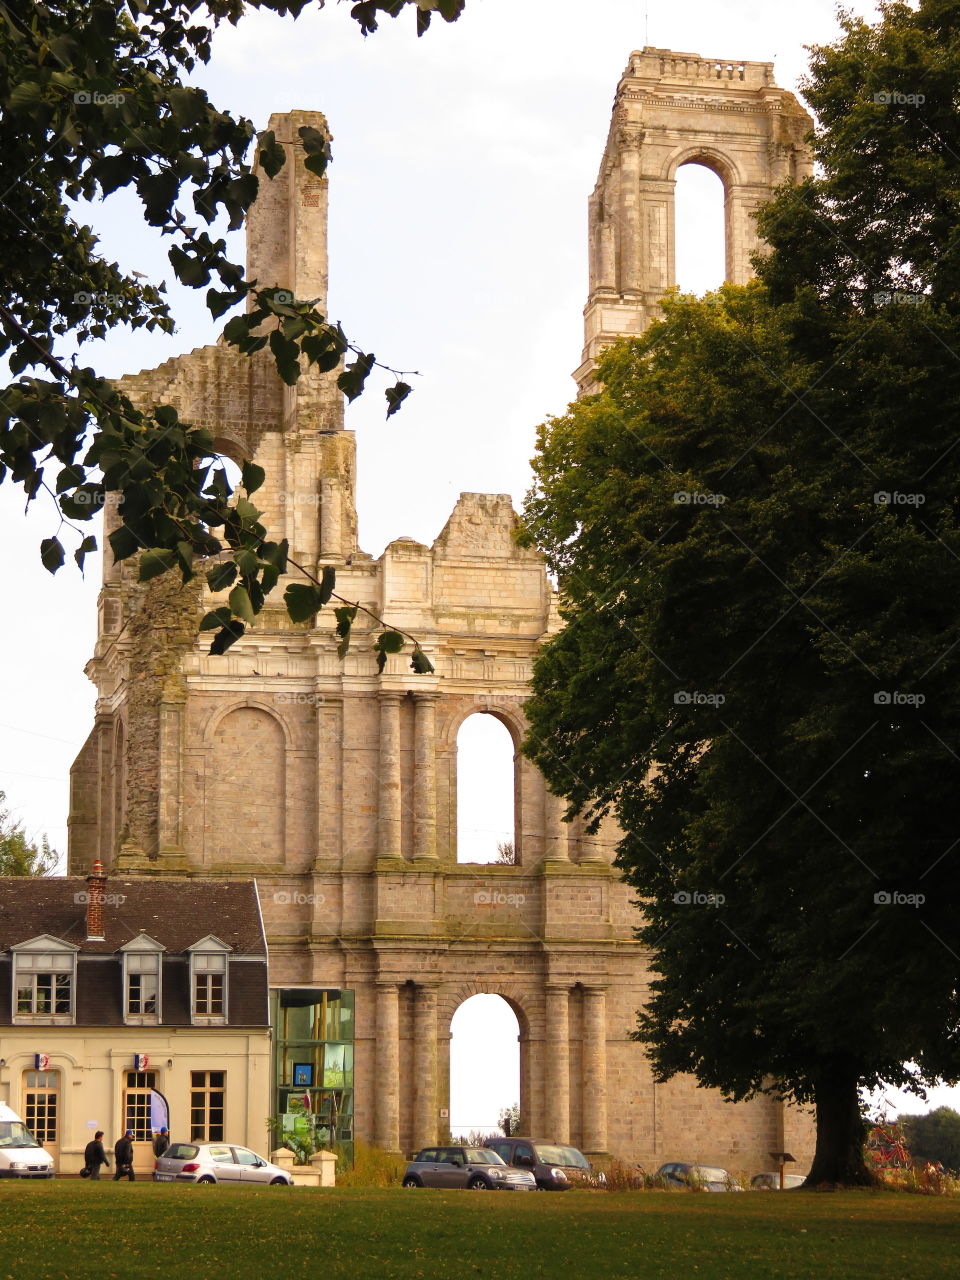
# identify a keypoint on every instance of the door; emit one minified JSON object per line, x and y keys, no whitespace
{"x":251,"y":1167}
{"x":137,"y":1099}
{"x":226,"y":1168}
{"x":41,"y":1110}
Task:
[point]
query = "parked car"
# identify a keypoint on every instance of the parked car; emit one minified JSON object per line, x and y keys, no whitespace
{"x":696,"y":1177}
{"x":217,"y":1162}
{"x":472,"y":1167}
{"x":555,"y":1167}
{"x":21,"y":1155}
{"x":771,"y":1181}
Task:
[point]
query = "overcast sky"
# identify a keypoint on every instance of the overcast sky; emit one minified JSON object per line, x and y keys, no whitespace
{"x":458,"y":192}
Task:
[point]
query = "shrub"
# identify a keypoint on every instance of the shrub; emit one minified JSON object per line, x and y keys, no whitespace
{"x":372,"y":1167}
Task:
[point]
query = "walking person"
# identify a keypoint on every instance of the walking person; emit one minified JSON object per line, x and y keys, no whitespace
{"x":161,"y":1142}
{"x":123,"y":1155}
{"x":94,"y":1156}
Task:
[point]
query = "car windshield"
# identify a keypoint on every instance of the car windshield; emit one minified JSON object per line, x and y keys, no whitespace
{"x":563,"y":1156}
{"x":481,"y":1155}
{"x":15,"y":1134}
{"x":707,"y":1173}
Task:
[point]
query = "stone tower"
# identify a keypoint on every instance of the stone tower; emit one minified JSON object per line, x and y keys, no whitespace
{"x":673,"y":109}
{"x":336,"y":786}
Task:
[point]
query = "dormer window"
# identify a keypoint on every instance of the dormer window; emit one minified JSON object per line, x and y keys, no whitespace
{"x":208,"y":981}
{"x":142,"y":971}
{"x":44,"y":981}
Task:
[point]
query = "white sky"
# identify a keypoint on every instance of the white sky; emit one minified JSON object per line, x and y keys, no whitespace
{"x":462,"y":167}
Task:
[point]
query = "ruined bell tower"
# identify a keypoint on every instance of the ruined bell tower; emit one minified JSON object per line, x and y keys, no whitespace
{"x":673,"y":109}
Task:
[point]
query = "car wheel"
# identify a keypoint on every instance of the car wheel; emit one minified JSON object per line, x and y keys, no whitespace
{"x":477,"y":1184}
{"x":412,"y":1182}
{"x":206,"y":1179}
{"x":279,"y":1182}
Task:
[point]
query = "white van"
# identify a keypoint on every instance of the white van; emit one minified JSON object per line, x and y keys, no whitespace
{"x":21,"y":1155}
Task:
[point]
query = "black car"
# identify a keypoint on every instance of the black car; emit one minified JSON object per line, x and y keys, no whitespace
{"x":555,"y":1166}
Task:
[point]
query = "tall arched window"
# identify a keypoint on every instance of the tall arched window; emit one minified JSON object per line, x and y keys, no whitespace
{"x":484,"y":1064}
{"x":700,"y":236}
{"x":485,"y":790}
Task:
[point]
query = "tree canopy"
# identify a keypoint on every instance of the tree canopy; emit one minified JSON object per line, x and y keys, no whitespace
{"x":19,"y":855}
{"x":934,"y":1136}
{"x":94,"y":98}
{"x":754,"y":530}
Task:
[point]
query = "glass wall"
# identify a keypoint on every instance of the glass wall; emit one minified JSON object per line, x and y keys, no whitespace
{"x":313,"y":1033}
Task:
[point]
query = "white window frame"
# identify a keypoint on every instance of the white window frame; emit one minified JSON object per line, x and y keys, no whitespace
{"x":142,"y":955}
{"x":209,"y":957}
{"x":43,"y":956}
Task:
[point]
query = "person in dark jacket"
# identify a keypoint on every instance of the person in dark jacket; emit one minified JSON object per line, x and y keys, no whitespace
{"x":123,"y":1154}
{"x":160,"y":1143}
{"x":94,"y":1155}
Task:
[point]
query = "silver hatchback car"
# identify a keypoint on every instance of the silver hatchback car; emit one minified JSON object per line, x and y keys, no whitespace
{"x":217,"y":1162}
{"x":476,"y":1168}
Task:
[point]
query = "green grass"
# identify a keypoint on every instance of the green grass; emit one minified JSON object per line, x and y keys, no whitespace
{"x":124,"y":1231}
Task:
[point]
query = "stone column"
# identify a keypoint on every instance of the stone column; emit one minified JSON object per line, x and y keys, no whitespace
{"x":594,"y":1069}
{"x":556,"y":832}
{"x":331,"y":520}
{"x":425,"y":778}
{"x":426,"y":1106}
{"x":389,"y":826}
{"x":388,"y":1067}
{"x":557,"y":1065}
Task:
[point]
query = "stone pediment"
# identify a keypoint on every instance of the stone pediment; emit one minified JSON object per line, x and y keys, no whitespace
{"x":482,"y":526}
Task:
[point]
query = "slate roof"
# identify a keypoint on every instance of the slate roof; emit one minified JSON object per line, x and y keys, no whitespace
{"x":176,"y":912}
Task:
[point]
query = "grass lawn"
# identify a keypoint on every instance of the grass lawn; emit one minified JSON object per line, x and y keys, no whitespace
{"x":123,"y":1231}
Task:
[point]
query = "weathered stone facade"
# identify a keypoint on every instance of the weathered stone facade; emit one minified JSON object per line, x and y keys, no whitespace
{"x":336,"y":787}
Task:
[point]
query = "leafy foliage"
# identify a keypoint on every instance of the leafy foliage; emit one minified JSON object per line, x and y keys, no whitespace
{"x":934,"y":1136}
{"x":93,"y":100}
{"x":20,"y":856}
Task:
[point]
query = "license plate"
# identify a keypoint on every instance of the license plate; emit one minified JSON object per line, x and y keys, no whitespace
{"x":163,"y":1177}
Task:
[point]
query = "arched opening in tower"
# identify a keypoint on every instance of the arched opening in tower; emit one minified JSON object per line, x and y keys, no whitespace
{"x":485,"y":791}
{"x":700,"y":253}
{"x":484,"y":1065}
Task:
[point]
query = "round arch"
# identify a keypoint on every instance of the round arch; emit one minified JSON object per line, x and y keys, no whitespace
{"x":218,"y":714}
{"x":711,"y":158}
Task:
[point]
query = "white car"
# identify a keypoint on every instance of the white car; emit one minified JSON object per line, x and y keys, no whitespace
{"x":21,"y":1155}
{"x":217,"y":1162}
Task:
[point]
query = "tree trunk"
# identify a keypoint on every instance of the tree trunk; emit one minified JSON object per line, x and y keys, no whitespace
{"x":840,"y":1131}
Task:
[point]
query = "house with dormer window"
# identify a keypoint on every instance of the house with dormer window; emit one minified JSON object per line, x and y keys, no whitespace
{"x":134,"y":1002}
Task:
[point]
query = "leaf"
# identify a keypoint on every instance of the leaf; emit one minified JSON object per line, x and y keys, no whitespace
{"x":345,"y":616}
{"x":396,"y":396}
{"x":88,"y":544}
{"x":216,"y":618}
{"x":420,"y":663}
{"x":390,"y":642}
{"x":302,"y":601}
{"x":156,"y":561}
{"x":252,"y":476}
{"x":328,"y":580}
{"x":222,"y":576}
{"x":240,"y":603}
{"x":270,"y":154}
{"x":231,"y":633}
{"x":123,"y":543}
{"x":51,"y":554}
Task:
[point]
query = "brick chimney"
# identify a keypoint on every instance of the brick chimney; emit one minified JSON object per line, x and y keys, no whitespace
{"x":96,"y":889}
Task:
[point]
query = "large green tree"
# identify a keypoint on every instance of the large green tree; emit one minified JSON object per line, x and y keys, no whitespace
{"x":754,"y":529}
{"x":94,"y":98}
{"x":934,"y":1136}
{"x":19,"y":855}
